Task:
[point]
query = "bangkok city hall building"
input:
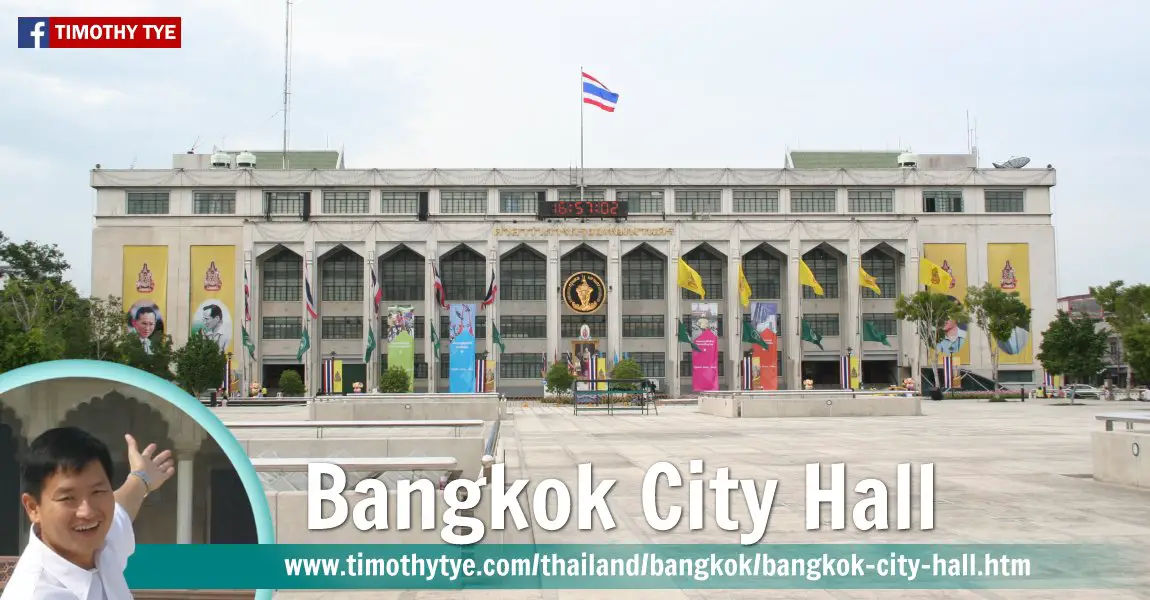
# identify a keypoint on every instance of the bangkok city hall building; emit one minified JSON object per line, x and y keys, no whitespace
{"x":185,"y":242}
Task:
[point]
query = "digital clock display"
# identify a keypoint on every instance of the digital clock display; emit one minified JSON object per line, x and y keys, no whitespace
{"x":582,"y":209}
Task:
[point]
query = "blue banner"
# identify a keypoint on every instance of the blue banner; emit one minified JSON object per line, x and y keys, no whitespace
{"x":461,"y":333}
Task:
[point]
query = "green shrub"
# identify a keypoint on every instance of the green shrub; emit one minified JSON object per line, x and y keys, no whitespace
{"x":291,"y":384}
{"x":627,"y":369}
{"x":395,"y":381}
{"x":559,"y":379}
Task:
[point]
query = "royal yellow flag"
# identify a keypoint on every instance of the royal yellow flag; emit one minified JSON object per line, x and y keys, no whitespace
{"x":807,"y":278}
{"x":932,"y":275}
{"x":690,"y":280}
{"x":868,"y":282}
{"x":744,"y":288}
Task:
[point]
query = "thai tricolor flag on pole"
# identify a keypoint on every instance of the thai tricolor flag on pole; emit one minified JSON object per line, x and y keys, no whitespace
{"x":597,"y":94}
{"x":308,"y":297}
{"x":376,"y":291}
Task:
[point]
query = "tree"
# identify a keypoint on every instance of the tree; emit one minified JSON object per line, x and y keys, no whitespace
{"x":1127,"y":310}
{"x":1073,"y":346}
{"x":627,"y":369}
{"x":395,"y":381}
{"x":106,"y":327}
{"x":997,"y":314}
{"x":21,"y":348}
{"x":291,"y":384}
{"x":200,"y":365}
{"x":33,"y":262}
{"x":559,"y":379}
{"x":929,"y":312}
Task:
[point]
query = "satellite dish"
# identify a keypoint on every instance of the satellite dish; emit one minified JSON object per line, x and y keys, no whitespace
{"x":1015,"y":163}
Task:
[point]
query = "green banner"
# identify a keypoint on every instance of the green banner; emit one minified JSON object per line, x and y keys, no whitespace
{"x":627,"y":566}
{"x":401,"y":341}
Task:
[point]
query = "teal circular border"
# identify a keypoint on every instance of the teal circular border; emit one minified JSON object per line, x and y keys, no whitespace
{"x":94,"y":369}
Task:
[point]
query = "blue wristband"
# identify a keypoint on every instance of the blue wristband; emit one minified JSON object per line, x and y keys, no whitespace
{"x":144,"y":479}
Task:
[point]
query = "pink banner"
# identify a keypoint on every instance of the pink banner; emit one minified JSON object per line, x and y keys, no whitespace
{"x":705,"y":363}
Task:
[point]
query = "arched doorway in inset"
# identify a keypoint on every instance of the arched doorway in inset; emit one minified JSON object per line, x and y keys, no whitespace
{"x":109,"y":417}
{"x":12,"y":448}
{"x":227,"y":517}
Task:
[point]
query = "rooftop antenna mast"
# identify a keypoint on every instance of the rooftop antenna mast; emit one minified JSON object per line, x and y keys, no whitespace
{"x":287,"y":77}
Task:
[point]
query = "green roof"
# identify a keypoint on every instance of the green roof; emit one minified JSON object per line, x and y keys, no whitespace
{"x":297,"y":159}
{"x":844,"y":160}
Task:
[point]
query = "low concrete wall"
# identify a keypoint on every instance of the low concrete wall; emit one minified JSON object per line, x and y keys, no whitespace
{"x":405,"y":410}
{"x":467,"y":451}
{"x":720,"y":406}
{"x":811,"y":406}
{"x":1115,"y":460}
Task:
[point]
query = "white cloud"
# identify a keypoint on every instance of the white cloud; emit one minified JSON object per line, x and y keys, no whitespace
{"x":42,"y":87}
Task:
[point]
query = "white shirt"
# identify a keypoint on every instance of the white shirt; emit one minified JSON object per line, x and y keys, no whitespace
{"x":41,"y":574}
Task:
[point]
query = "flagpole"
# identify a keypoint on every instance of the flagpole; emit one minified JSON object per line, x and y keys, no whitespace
{"x":581,"y":103}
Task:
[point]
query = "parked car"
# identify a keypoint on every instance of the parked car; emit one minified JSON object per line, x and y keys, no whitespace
{"x":1081,"y":390}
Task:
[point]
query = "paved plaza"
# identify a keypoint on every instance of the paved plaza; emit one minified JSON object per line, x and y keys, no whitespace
{"x":1004,"y":473}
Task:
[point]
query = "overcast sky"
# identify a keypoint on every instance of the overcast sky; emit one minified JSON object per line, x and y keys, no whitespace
{"x":495,"y":84}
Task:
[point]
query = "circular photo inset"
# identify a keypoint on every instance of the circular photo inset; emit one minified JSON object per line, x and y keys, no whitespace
{"x":213,"y":319}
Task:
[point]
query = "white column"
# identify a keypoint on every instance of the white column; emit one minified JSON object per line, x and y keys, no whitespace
{"x":908,"y":342}
{"x":311,"y":362}
{"x":431,"y":318}
{"x":185,"y":475}
{"x":673,"y":293}
{"x":554,"y":353}
{"x":734,"y":317}
{"x":493,"y":310}
{"x":853,"y":330}
{"x":614,"y":300}
{"x":254,"y":371}
{"x":794,"y":327}
{"x":370,"y":320}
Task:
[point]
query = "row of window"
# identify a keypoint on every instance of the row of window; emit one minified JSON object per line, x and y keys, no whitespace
{"x":689,"y":201}
{"x":523,"y":275}
{"x":535,"y":326}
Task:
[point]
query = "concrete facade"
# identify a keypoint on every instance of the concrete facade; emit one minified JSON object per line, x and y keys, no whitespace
{"x":729,"y":216}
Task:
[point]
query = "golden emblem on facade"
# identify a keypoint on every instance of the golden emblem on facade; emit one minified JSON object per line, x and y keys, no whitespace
{"x":584,"y":292}
{"x":212,"y":280}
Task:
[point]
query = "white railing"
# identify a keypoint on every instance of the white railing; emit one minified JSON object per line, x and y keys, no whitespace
{"x":1128,"y":418}
{"x":382,"y":465}
{"x":457,"y":425}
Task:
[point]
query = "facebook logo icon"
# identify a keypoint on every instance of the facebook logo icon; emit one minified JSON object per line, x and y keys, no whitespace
{"x":33,"y":32}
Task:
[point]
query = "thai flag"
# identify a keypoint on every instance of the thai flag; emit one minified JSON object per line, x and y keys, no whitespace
{"x":597,"y":94}
{"x":308,"y":297}
{"x":845,"y":371}
{"x":247,"y":298}
{"x":440,"y":293}
{"x":492,"y":290}
{"x":376,"y":291}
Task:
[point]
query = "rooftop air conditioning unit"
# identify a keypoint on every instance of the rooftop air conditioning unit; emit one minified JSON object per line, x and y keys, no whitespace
{"x":221,"y":160}
{"x":246,"y":160}
{"x":908,"y":160}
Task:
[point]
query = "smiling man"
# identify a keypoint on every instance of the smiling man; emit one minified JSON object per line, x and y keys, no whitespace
{"x":82,"y":534}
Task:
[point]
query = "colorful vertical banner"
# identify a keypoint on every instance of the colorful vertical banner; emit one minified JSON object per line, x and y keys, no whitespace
{"x":401,"y":341}
{"x":856,"y":373}
{"x":213,"y":280}
{"x":1008,"y":267}
{"x":490,"y":371}
{"x":484,"y":375}
{"x":332,"y":376}
{"x":145,"y":292}
{"x":750,"y":374}
{"x":461,"y":333}
{"x":601,"y":372}
{"x":765,"y":318}
{"x":952,"y":259}
{"x":705,"y":360}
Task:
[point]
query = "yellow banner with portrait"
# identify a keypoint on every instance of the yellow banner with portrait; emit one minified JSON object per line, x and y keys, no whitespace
{"x":145,"y":292}
{"x":212,"y":279}
{"x":1008,"y":268}
{"x":952,"y":259}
